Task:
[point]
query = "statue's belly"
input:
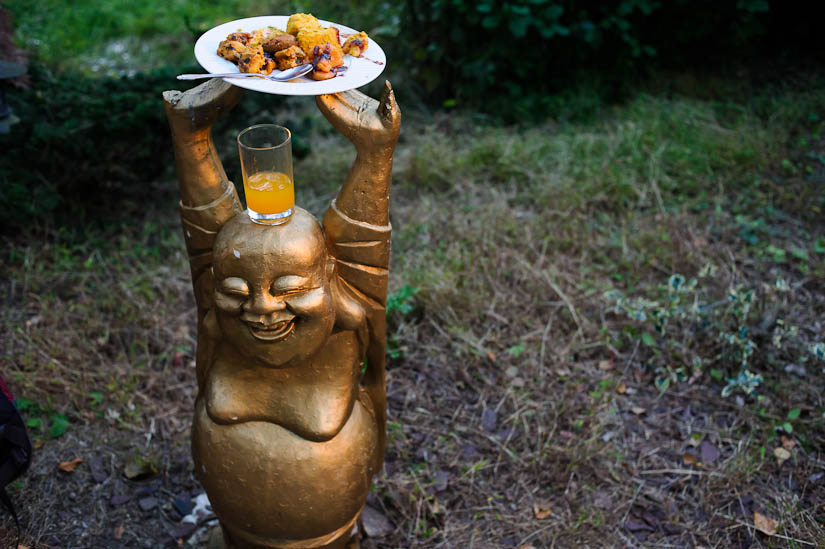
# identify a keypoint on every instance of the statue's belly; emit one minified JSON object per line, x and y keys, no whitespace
{"x":270,"y":483}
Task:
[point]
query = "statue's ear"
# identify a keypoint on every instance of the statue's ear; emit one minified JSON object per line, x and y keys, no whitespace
{"x":349,"y":314}
{"x":330,"y":267}
{"x":210,"y":324}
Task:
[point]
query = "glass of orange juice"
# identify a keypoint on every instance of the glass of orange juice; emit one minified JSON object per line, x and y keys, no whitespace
{"x":266,"y":163}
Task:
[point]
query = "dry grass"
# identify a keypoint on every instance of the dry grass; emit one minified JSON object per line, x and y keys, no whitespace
{"x":522,"y":411}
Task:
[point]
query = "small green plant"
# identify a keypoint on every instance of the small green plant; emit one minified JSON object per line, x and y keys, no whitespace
{"x":399,"y":304}
{"x":402,"y":300}
{"x":96,"y":399}
{"x":42,"y":421}
{"x":787,"y":425}
{"x":694,"y":332}
{"x":516,"y":350}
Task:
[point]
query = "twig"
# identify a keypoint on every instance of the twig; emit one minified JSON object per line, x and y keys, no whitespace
{"x":567,"y":302}
{"x":535,"y":533}
{"x":680,"y":472}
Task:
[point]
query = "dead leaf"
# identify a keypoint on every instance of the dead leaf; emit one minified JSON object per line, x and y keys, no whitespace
{"x":69,"y":466}
{"x":119,"y":530}
{"x":605,"y":365}
{"x":491,"y":355}
{"x":541,"y":511}
{"x":709,"y":452}
{"x":621,"y":388}
{"x":638,"y":410}
{"x":139,"y":467}
{"x":21,"y":546}
{"x":788,"y":443}
{"x":782,"y":455}
{"x":690,"y":459}
{"x":764,"y":524}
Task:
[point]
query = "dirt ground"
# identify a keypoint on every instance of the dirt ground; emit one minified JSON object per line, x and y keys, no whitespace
{"x":473,"y":460}
{"x":523,"y":410}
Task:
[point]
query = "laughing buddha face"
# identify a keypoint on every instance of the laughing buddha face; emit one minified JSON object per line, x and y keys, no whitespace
{"x":273,"y":300}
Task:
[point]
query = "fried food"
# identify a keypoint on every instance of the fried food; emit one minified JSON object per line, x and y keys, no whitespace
{"x":273,"y":39}
{"x":356,"y":44}
{"x":304,"y":41}
{"x":231,"y":48}
{"x":308,"y":39}
{"x":274,"y":44}
{"x":326,"y":59}
{"x":301,"y":21}
{"x":253,"y":59}
{"x":290,"y":57}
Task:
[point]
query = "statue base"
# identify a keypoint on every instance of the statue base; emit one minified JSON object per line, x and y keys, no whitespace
{"x":215,"y":540}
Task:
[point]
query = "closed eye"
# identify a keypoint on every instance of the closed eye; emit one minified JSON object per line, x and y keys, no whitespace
{"x":289,"y":285}
{"x":234,"y":287}
{"x":289,"y":292}
{"x":235,"y":293}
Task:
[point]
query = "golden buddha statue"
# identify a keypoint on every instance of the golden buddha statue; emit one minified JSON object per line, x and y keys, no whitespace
{"x":289,"y":423}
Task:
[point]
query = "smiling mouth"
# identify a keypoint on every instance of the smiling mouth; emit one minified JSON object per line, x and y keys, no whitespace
{"x":271,"y":332}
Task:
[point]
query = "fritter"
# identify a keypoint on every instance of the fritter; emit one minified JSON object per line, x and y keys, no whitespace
{"x":308,"y":39}
{"x":252,"y":59}
{"x":301,"y":21}
{"x":290,"y":57}
{"x":356,"y":44}
{"x":273,"y":39}
{"x":326,"y":59}
{"x":231,"y":50}
{"x":274,"y":44}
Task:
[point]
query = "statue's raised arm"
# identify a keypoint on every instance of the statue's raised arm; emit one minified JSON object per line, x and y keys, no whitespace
{"x":357,"y":222}
{"x":373,"y":127}
{"x":208,"y":198}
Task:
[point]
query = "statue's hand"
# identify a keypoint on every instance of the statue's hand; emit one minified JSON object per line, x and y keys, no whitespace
{"x":197,"y":109}
{"x":370,"y":125}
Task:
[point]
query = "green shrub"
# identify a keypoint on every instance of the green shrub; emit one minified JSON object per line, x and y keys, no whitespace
{"x":78,"y":138}
{"x":525,"y":58}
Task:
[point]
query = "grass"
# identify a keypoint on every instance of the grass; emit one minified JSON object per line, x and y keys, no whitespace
{"x":522,"y":410}
{"x":115,"y":37}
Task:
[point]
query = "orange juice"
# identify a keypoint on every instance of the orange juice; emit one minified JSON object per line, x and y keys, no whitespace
{"x":269,"y":192}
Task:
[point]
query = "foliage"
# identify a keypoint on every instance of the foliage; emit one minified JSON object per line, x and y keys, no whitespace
{"x":80,"y":138}
{"x":399,"y":305}
{"x":525,"y":58}
{"x":79,"y":34}
{"x":696,"y":333}
{"x":402,"y":300}
{"x":43,"y":420}
{"x":109,"y":37}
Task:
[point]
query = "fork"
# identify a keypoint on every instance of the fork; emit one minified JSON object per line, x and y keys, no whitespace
{"x":283,"y":76}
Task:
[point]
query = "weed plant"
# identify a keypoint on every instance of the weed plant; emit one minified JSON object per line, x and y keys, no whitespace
{"x":694,"y":334}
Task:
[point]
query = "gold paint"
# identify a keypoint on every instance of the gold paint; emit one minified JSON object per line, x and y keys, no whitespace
{"x":287,"y":433}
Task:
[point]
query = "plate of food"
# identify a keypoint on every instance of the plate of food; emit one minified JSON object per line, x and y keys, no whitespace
{"x":342,"y":58}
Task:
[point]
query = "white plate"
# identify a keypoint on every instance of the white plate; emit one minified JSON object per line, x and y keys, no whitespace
{"x":360,"y":71}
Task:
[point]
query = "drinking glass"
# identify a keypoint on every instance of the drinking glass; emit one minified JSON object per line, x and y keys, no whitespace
{"x":266,"y":163}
